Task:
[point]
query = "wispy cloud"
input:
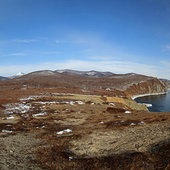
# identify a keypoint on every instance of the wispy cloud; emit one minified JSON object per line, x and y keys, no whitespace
{"x":51,"y":52}
{"x":25,"y":40}
{"x":98,"y":58}
{"x":18,"y":54}
{"x":59,"y":41}
{"x":113,"y":66}
{"x":166,"y":63}
{"x":167,"y":47}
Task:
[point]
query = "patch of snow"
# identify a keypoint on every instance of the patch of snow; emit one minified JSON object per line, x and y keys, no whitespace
{"x":39,"y":114}
{"x":49,"y":102}
{"x":101,"y":122}
{"x":127,"y":112}
{"x":147,"y":104}
{"x":19,"y":74}
{"x":64,"y":131}
{"x":60,"y":71}
{"x":132,"y":124}
{"x":17,"y":107}
{"x":63,"y":102}
{"x":111,"y":104}
{"x":79,"y":102}
{"x":70,"y":158}
{"x":6,"y":131}
{"x":141,"y":123}
{"x":91,"y":73}
{"x":71,"y":103}
{"x":10,"y":117}
{"x":92,"y":103}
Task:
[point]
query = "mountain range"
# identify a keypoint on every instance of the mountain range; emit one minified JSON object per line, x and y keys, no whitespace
{"x":86,"y":81}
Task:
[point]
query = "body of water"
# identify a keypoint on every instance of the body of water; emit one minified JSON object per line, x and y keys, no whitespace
{"x":160,"y":103}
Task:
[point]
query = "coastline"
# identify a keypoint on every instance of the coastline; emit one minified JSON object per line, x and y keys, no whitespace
{"x":149,"y":94}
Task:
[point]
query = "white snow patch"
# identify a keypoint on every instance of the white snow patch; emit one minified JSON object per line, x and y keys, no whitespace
{"x":127,"y":112}
{"x":147,"y":104}
{"x":71,"y":103}
{"x":111,"y":104}
{"x":79,"y":102}
{"x":70,"y":158}
{"x":10,"y":117}
{"x":64,"y":131}
{"x":141,"y":123}
{"x":8,"y":125}
{"x":39,"y":114}
{"x":132,"y":124}
{"x":101,"y":122}
{"x":17,"y":107}
{"x":43,"y":103}
{"x":6,"y":131}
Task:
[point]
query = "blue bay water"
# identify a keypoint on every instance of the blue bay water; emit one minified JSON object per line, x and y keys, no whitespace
{"x":160,"y":103}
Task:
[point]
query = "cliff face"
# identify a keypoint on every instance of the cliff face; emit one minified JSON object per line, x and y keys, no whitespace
{"x":150,"y":86}
{"x":166,"y":82}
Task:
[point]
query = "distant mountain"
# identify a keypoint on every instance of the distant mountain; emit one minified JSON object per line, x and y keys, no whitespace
{"x":3,"y":78}
{"x":91,"y":73}
{"x":16,"y":75}
{"x":41,"y":73}
{"x":93,"y":81}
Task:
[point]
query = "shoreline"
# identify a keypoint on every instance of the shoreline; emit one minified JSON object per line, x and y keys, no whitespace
{"x":151,"y":94}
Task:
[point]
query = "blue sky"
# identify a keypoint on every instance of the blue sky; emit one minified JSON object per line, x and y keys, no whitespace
{"x":105,"y":35}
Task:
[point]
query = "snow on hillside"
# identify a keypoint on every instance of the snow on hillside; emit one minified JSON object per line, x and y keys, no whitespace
{"x":16,"y":75}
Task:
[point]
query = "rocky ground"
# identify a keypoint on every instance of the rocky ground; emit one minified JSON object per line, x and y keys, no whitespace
{"x":54,"y":130}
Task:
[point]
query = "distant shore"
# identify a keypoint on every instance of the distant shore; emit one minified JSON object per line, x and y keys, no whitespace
{"x":151,"y":94}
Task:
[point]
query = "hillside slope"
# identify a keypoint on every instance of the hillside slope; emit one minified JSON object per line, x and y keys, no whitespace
{"x":3,"y":78}
{"x":129,"y":83}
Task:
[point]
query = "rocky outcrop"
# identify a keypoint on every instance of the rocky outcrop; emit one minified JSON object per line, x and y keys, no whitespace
{"x":148,"y":87}
{"x":166,"y":82}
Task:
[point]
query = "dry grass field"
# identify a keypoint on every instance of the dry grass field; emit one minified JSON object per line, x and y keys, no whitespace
{"x":50,"y":129}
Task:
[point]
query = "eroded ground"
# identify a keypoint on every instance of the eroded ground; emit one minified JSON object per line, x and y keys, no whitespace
{"x":70,"y":131}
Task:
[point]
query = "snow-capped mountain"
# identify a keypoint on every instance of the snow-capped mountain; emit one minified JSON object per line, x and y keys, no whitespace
{"x":17,"y":75}
{"x":91,"y":73}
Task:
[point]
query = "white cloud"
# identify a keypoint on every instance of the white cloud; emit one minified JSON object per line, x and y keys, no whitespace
{"x":17,"y":54}
{"x":51,"y":52}
{"x":25,"y":41}
{"x":166,"y":63}
{"x":101,"y":58}
{"x":113,"y":66}
{"x":59,"y":41}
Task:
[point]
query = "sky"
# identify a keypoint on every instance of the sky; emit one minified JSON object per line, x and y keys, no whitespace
{"x":121,"y":36}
